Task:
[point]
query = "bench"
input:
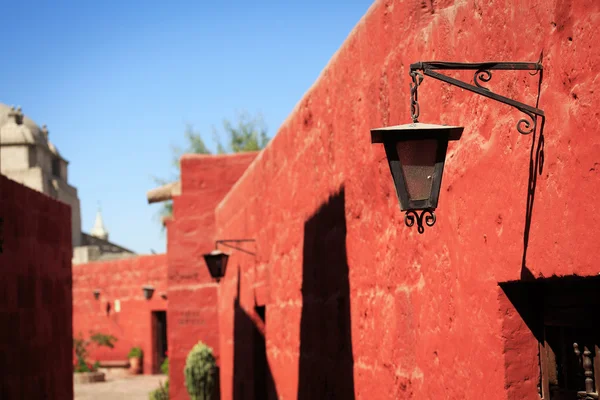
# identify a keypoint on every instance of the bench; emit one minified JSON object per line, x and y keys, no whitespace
{"x":114,"y":368}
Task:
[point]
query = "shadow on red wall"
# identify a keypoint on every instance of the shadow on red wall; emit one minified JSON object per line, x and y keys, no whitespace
{"x":326,"y":368}
{"x":252,"y":377}
{"x":536,"y":167}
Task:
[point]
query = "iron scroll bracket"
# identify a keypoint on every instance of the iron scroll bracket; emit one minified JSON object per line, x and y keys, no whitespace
{"x":483,"y":74}
{"x":226,"y":244}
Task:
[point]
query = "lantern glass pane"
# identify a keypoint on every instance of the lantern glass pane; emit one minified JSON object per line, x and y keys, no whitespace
{"x":215,"y":266}
{"x":218,"y":270}
{"x":418,"y":158}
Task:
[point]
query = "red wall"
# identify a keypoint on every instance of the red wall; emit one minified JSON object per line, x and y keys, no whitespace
{"x":36,"y":345}
{"x":397,"y":314}
{"x":120,"y":280}
{"x":191,"y":233}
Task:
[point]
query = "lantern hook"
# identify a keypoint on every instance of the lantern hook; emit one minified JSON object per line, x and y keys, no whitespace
{"x":417,"y":78}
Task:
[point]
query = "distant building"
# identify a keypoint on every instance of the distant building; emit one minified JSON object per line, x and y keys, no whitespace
{"x":27,"y":156}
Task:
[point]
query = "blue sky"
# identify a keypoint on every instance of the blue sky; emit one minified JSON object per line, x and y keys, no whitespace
{"x":117,"y":81}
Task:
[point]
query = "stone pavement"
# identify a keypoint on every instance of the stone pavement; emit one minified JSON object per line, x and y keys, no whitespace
{"x":130,"y":388}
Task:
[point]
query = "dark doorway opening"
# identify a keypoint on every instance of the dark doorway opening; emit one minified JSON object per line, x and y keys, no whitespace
{"x":159,"y":339}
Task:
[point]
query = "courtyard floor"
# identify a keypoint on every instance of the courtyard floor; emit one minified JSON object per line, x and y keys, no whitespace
{"x":131,"y":388}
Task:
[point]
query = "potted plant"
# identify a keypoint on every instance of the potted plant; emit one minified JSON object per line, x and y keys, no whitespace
{"x":135,"y":360}
{"x":84,"y":371}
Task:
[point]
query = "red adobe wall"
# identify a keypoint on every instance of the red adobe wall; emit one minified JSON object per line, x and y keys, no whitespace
{"x":192,"y":294}
{"x":120,"y":280}
{"x":361,"y":305}
{"x":36,"y":345}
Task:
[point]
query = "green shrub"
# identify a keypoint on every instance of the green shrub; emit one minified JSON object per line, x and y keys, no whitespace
{"x":200,"y":368}
{"x":80,"y":345}
{"x":162,"y":393}
{"x":164,"y":367}
{"x":135,"y":352}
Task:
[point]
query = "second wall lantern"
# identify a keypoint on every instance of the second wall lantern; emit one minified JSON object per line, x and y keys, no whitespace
{"x":148,"y":291}
{"x":216,"y":260}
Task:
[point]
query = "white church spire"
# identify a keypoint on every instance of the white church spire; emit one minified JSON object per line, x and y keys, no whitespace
{"x":99,"y":230}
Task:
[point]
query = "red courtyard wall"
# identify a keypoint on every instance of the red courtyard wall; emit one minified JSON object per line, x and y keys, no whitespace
{"x":120,"y":280}
{"x":351,"y":289}
{"x":192,"y":294}
{"x":36,"y":345}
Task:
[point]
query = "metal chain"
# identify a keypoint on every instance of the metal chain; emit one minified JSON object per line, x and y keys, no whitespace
{"x":417,"y":78}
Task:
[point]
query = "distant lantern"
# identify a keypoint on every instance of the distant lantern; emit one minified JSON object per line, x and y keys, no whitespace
{"x":96,"y":294}
{"x":216,"y":261}
{"x":416,"y":154}
{"x":148,"y":292}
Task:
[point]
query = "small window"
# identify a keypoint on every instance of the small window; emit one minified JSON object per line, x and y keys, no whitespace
{"x":56,"y":167}
{"x":32,"y":157}
{"x":561,"y":313}
{"x":570,"y":346}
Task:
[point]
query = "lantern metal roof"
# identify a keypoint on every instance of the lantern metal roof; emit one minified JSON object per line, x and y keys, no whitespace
{"x":406,"y":131}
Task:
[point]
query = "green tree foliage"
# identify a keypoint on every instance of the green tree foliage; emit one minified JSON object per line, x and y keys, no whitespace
{"x":200,"y":369}
{"x":101,"y":339}
{"x":248,"y":133}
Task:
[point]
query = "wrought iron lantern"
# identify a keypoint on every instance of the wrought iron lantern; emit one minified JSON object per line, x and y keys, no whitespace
{"x":148,"y":292}
{"x":416,"y":152}
{"x":216,"y":261}
{"x":96,"y":294}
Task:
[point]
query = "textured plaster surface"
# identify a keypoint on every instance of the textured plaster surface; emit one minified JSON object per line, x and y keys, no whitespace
{"x":192,"y":314}
{"x":120,"y":281}
{"x":426,"y":316}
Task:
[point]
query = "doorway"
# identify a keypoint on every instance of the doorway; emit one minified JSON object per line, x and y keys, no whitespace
{"x":159,"y":339}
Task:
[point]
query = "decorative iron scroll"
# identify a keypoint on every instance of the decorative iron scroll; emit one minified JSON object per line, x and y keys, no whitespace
{"x":413,"y":216}
{"x":526,"y":126}
{"x":483,"y":73}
